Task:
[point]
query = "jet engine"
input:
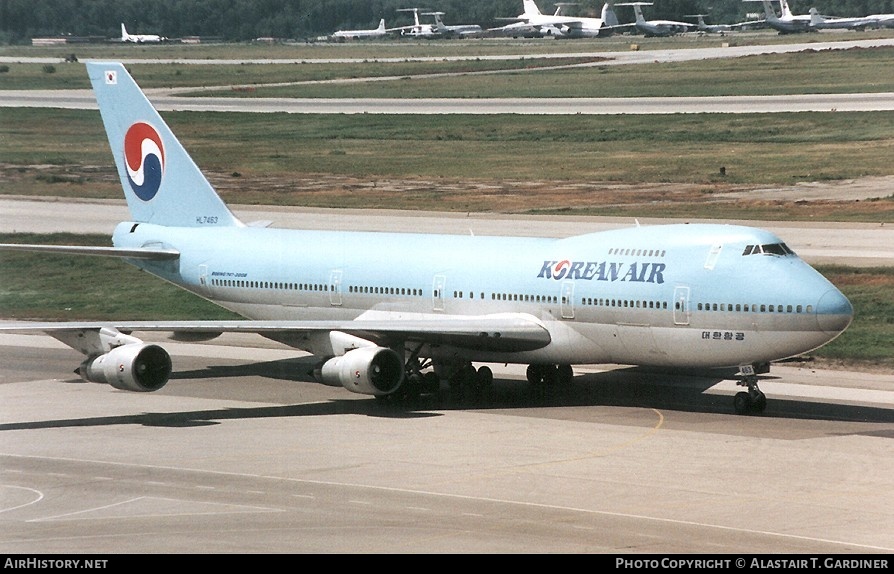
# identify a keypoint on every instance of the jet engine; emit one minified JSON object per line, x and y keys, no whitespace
{"x":133,"y":367}
{"x":367,"y":370}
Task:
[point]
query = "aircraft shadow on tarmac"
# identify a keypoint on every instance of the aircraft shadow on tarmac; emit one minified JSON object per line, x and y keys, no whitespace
{"x":632,"y":387}
{"x":636,"y":387}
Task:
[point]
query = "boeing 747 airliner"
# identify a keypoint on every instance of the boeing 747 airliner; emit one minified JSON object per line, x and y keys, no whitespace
{"x":392,"y":314}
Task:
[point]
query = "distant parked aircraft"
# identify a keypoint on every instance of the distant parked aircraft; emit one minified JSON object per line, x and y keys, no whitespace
{"x":361,"y":34}
{"x":417,"y":29}
{"x":656,"y":27}
{"x":787,"y":23}
{"x":456,"y":30}
{"x":532,"y":22}
{"x":139,"y":38}
{"x":882,"y":20}
{"x":721,"y":28}
{"x":821,"y":22}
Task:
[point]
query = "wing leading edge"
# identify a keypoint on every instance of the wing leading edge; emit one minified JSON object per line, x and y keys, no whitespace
{"x":503,"y":333}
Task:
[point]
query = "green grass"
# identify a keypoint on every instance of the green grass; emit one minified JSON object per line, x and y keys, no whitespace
{"x":846,"y":71}
{"x":869,"y":340}
{"x":755,"y":148}
{"x":59,"y":287}
{"x":51,"y":287}
{"x":29,"y":76}
{"x":827,"y":71}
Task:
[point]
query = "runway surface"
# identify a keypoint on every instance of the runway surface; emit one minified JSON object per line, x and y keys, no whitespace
{"x":84,"y":99}
{"x":241,"y":453}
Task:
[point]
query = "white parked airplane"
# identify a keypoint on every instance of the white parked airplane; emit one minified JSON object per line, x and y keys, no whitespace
{"x":534,"y":23}
{"x":786,"y":23}
{"x":456,"y":30}
{"x":139,"y":38}
{"x":701,"y":26}
{"x":820,"y":22}
{"x":417,"y":29}
{"x":391,"y":314}
{"x":361,"y":34}
{"x":882,"y":20}
{"x":656,"y":27}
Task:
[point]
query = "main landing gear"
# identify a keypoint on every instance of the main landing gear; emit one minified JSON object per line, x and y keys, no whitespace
{"x":468,"y":382}
{"x":549,"y":374}
{"x":752,"y":401}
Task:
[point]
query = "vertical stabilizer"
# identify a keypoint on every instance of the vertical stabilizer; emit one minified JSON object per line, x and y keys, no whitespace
{"x":609,"y":18}
{"x":531,"y":8}
{"x":161,"y":182}
{"x":784,"y":9}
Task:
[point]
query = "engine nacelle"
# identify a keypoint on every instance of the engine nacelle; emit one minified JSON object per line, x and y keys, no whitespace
{"x":133,"y":367}
{"x":367,"y":370}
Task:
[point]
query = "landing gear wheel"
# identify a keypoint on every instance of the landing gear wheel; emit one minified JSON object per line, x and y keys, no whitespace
{"x":742,"y":403}
{"x":752,"y":401}
{"x":431,"y":383}
{"x":484,"y":377}
{"x":565,"y":374}
{"x":534,"y":373}
{"x":758,"y":402}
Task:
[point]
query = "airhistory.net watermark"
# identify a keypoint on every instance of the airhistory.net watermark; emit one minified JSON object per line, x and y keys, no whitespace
{"x":53,"y":563}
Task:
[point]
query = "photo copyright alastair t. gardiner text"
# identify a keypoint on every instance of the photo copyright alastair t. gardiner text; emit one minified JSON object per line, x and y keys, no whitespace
{"x":800,"y":562}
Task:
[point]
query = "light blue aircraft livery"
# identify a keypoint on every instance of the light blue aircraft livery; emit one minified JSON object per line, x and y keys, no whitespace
{"x":394,"y":315}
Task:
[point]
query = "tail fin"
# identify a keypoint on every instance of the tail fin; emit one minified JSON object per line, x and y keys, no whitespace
{"x":161,"y":182}
{"x":531,"y":8}
{"x":815,"y":18}
{"x":123,"y":33}
{"x":609,"y":18}
{"x":784,"y":9}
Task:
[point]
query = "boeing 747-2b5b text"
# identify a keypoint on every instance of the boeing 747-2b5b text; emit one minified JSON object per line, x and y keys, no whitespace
{"x":394,"y":315}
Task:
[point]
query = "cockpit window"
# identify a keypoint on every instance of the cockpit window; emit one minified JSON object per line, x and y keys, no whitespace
{"x":768,"y":249}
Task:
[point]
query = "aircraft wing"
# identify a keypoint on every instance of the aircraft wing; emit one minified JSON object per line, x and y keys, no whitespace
{"x":141,"y":253}
{"x":503,"y":332}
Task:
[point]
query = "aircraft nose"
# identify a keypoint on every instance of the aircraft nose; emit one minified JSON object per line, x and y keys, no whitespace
{"x":834,"y":312}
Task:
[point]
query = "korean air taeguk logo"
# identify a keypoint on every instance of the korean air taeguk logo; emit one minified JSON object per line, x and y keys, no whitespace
{"x":144,"y":156}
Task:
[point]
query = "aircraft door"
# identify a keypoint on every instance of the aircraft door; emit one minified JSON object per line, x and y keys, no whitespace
{"x":567,"y":299}
{"x":437,"y":297}
{"x":204,"y":281}
{"x":681,"y":305}
{"x":335,"y":287}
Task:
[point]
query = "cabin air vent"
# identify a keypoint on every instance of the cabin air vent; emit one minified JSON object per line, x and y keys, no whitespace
{"x":713,"y":255}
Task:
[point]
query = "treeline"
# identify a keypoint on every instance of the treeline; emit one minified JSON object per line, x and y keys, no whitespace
{"x":240,"y":20}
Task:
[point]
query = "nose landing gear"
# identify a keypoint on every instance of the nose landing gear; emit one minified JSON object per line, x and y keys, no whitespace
{"x":752,"y":401}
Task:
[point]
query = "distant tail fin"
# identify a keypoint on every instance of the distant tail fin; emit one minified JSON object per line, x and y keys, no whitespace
{"x":161,"y":182}
{"x":123,"y":33}
{"x":786,"y":11}
{"x":531,"y":8}
{"x":381,"y":27}
{"x":609,"y":18}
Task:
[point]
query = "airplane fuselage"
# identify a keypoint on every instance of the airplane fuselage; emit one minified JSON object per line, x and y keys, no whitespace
{"x":677,"y":295}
